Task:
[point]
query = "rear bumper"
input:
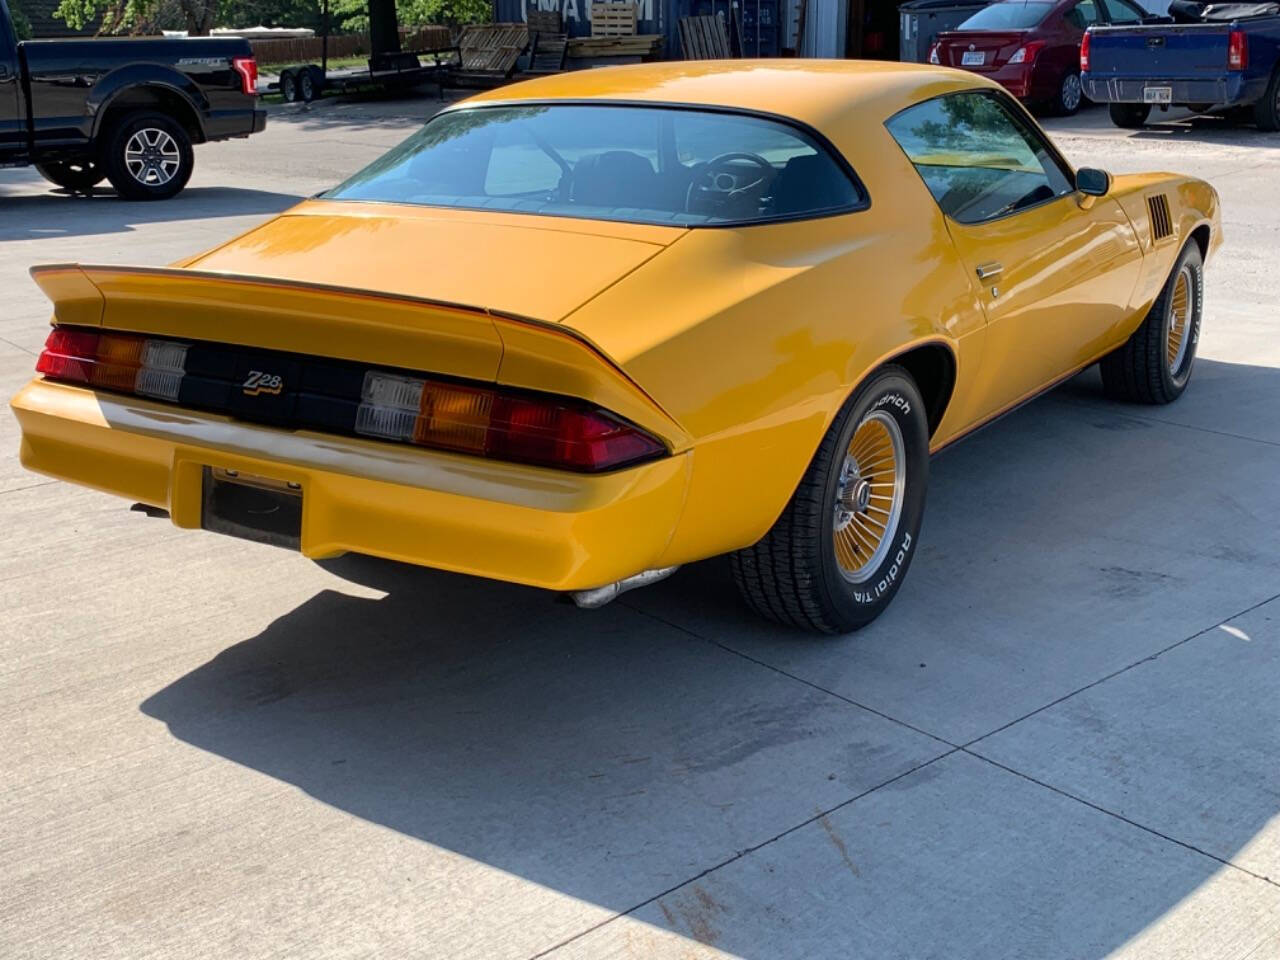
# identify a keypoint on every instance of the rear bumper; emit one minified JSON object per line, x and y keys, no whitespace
{"x":544,"y":528}
{"x":1221,"y":91}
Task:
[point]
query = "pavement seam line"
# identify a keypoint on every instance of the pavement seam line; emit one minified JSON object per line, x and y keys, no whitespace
{"x":1119,"y":816}
{"x":29,"y":486}
{"x":16,"y":346}
{"x":1125,"y":669}
{"x":791,"y":676}
{"x":742,"y":853}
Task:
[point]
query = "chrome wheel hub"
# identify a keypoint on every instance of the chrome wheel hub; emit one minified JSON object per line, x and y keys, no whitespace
{"x":869,"y":496}
{"x":152,"y":157}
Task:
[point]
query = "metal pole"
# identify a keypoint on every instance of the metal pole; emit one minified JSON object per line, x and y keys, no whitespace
{"x":324,"y":40}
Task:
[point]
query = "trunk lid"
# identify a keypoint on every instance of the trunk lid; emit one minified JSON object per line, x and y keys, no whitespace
{"x":532,"y":266}
{"x":995,"y":47}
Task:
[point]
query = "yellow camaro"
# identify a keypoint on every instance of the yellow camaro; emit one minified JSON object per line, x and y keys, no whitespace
{"x":579,"y":331}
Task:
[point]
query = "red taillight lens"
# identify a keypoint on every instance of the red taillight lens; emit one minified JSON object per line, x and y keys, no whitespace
{"x":114,"y":361}
{"x":1237,"y":50}
{"x":546,"y":431}
{"x":247,"y":67}
{"x":1084,"y":53}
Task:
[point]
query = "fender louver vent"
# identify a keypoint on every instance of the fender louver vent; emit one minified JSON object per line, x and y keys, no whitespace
{"x":1161,"y":224}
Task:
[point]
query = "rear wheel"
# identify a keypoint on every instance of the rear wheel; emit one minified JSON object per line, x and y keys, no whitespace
{"x":1266,"y":112}
{"x":835,"y":558}
{"x":78,"y":176}
{"x":148,"y":156}
{"x":1070,"y":93}
{"x":1155,"y":363}
{"x":1130,"y":116}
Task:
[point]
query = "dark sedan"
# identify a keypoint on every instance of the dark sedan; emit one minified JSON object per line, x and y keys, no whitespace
{"x":1031,"y":47}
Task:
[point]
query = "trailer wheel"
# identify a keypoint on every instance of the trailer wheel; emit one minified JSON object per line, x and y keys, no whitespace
{"x":1130,"y":116}
{"x":1266,"y":112}
{"x":306,"y":88}
{"x":289,"y":86}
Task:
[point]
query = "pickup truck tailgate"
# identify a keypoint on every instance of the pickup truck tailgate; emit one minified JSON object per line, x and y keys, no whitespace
{"x":1191,"y":51}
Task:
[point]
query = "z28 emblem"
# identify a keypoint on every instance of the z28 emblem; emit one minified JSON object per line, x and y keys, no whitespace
{"x":260,"y":382}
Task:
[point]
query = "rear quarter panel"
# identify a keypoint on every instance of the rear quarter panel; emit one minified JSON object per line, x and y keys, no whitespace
{"x":753,"y":337}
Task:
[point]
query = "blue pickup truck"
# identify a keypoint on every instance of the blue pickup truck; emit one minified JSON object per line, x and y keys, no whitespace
{"x":1225,"y":61}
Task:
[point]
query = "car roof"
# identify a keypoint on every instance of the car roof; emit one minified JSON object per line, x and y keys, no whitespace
{"x":816,"y":92}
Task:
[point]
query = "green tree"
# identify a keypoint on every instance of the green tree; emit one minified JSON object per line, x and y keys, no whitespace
{"x":354,"y":14}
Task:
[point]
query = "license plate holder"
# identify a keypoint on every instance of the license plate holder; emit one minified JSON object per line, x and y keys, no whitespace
{"x":1157,"y":94}
{"x":251,"y":507}
{"x":973,"y":58}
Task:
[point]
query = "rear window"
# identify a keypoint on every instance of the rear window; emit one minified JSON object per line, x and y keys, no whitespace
{"x":637,"y":164}
{"x":1012,"y":15}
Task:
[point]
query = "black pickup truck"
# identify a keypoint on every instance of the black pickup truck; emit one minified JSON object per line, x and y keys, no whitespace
{"x":121,"y":109}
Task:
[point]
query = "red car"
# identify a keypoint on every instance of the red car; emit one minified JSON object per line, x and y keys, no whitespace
{"x":1032,"y":47}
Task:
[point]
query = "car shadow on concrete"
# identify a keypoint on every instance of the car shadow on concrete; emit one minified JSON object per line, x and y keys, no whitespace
{"x":57,"y":212}
{"x":615,"y":754}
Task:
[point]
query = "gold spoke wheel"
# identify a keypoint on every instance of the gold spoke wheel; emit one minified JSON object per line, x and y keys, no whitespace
{"x":1179,"y":321}
{"x":869,"y":496}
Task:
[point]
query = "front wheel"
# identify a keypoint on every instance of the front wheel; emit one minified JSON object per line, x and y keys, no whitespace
{"x":148,"y":156}
{"x":835,"y":558}
{"x":1130,"y":116}
{"x":1154,"y":365}
{"x":78,"y":176}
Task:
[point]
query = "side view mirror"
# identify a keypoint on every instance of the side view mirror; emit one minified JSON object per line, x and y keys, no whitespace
{"x":1093,"y":183}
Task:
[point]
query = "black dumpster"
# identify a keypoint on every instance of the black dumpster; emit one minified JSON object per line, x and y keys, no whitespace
{"x":923,"y":20}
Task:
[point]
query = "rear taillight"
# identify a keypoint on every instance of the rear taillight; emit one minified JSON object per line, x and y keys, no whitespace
{"x":114,"y":361}
{"x":1027,"y":53}
{"x":539,"y":429}
{"x":1237,"y":50}
{"x":247,"y":67}
{"x":548,"y":431}
{"x":1084,"y":53}
{"x":933,"y":54}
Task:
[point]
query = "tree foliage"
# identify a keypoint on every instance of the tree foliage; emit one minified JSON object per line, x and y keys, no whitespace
{"x":198,"y":17}
{"x":21,"y":25}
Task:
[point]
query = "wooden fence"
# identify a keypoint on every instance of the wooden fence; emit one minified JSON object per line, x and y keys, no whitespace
{"x":309,"y":49}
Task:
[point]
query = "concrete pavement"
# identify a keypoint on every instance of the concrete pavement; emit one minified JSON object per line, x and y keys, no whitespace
{"x":1061,"y":741}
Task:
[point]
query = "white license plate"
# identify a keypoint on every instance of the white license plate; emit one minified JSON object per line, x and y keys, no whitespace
{"x":1157,"y":94}
{"x":973,"y":58}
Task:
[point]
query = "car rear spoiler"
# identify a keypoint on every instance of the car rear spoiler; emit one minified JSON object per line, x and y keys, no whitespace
{"x":411,"y":333}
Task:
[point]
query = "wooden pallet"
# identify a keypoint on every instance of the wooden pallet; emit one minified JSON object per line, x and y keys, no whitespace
{"x":549,"y":52}
{"x":613,"y":19}
{"x":704,"y":38}
{"x":645,"y":46}
{"x":492,"y":48}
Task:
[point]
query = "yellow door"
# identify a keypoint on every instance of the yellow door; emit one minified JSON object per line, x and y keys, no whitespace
{"x":1055,"y":282}
{"x":1055,"y":269}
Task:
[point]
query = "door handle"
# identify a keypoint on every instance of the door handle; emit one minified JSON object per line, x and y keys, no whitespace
{"x":989,"y":271}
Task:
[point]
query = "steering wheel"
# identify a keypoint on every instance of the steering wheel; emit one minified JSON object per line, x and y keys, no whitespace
{"x":722,"y":182}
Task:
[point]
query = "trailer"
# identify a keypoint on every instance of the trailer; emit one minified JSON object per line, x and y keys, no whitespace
{"x":401,"y":70}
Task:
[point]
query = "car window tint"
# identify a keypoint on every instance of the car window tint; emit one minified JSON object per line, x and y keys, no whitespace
{"x":1008,"y":15}
{"x":979,"y":159}
{"x":1121,"y":12}
{"x":642,"y":164}
{"x":1083,"y":15}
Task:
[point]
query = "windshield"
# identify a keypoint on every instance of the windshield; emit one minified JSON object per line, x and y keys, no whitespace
{"x":637,"y":164}
{"x":1009,"y":15}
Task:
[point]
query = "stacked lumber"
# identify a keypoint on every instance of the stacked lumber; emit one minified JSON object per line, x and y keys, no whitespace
{"x":704,"y":38}
{"x":644,"y":46}
{"x":612,"y":19}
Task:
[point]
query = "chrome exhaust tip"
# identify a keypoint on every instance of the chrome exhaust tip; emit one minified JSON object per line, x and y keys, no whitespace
{"x":599,"y":596}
